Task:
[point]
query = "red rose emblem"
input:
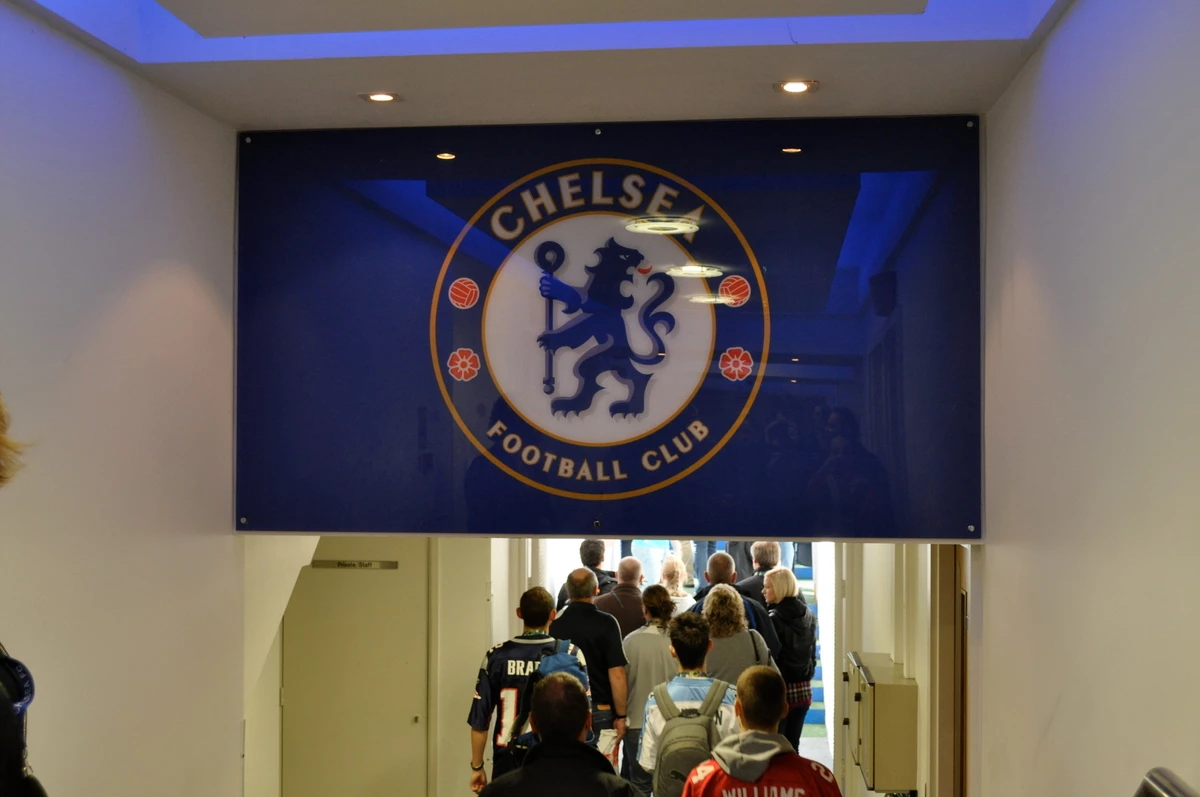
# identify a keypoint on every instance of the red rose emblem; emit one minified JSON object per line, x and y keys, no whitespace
{"x":736,"y":364}
{"x":463,"y":365}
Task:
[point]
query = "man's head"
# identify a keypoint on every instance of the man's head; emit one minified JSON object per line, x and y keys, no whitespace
{"x":761,"y":700}
{"x":559,"y":710}
{"x":720,"y":569}
{"x":629,"y":571}
{"x":765,"y":555}
{"x":581,"y":585}
{"x":10,"y":450}
{"x":690,"y":642}
{"x":591,"y":553}
{"x":536,"y":609}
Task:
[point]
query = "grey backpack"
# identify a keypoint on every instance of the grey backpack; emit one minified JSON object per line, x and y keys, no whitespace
{"x":687,"y":740}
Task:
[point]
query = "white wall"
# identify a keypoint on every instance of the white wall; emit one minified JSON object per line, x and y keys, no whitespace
{"x":871,"y":623}
{"x":264,"y":740}
{"x":122,"y":581}
{"x":271,"y":565}
{"x":461,"y":634}
{"x":878,"y":622}
{"x":1090,"y":641}
{"x":825,"y":580}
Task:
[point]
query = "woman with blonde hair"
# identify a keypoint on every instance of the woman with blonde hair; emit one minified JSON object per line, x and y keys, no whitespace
{"x":10,"y":450}
{"x":674,"y":571}
{"x":735,"y":646}
{"x":797,"y":628}
{"x":16,"y":685}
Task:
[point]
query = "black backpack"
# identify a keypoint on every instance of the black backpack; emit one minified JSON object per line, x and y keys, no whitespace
{"x":16,"y":693}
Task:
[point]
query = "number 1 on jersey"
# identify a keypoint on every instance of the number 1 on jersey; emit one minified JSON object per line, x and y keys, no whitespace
{"x":508,"y":714}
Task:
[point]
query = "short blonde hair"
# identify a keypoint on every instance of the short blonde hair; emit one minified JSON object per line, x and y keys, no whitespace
{"x":783,"y":581}
{"x":10,"y":450}
{"x":672,"y":575}
{"x":725,"y":612}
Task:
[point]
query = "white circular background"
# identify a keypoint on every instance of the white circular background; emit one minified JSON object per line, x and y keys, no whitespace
{"x":515,"y":314}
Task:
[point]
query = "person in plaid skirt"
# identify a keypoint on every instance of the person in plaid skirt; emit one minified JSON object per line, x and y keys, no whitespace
{"x":796,"y":626}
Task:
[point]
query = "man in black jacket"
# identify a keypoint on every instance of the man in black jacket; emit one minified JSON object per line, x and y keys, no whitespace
{"x":562,"y":763}
{"x":591,"y":554}
{"x":765,"y":555}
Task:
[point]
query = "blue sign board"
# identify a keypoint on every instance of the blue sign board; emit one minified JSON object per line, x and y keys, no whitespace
{"x":652,"y":330}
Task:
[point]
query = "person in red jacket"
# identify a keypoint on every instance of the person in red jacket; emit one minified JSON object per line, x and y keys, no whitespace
{"x":759,"y":762}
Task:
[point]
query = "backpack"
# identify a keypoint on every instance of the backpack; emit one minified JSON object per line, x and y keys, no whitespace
{"x":687,"y":738}
{"x":559,"y":658}
{"x":16,"y":693}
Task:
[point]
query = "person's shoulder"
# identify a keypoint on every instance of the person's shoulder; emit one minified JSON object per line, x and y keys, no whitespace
{"x":730,"y":693}
{"x":796,"y":767}
{"x":617,"y":786}
{"x":494,"y":649}
{"x":506,"y":784}
{"x":704,"y":772}
{"x":639,"y":636}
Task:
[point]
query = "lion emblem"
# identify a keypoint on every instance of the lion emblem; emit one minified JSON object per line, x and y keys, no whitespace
{"x":600,"y":307}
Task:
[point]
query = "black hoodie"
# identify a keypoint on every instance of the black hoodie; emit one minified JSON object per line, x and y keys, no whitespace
{"x":554,"y":769}
{"x":797,"y":628}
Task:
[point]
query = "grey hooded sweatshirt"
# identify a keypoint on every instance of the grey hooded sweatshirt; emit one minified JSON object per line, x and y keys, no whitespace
{"x":747,"y":755}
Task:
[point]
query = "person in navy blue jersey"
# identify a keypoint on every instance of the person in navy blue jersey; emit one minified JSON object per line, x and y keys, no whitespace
{"x":505,"y":670}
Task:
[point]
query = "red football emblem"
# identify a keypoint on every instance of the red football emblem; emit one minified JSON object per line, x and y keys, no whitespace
{"x":735,"y":290}
{"x":464,"y":293}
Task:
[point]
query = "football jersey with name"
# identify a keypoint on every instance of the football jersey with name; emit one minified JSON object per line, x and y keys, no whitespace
{"x":502,"y":677}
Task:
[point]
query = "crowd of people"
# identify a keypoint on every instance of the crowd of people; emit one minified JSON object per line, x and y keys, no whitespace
{"x":680,"y":694}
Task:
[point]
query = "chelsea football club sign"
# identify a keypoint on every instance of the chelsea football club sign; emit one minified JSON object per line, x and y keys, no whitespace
{"x":620,"y":360}
{"x":765,"y":328}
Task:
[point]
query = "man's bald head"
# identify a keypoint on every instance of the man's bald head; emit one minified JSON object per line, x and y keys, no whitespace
{"x":582,"y":585}
{"x":720,"y":569}
{"x":629,"y":571}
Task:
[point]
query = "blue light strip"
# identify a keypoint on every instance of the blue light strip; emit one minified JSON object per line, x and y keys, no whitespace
{"x":168,"y":40}
{"x":151,"y":34}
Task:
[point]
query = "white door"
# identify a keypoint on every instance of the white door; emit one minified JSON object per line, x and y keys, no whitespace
{"x":355,"y":680}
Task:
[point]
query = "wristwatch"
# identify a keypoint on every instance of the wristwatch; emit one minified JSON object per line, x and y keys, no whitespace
{"x":477,"y":768}
{"x":619,"y":717}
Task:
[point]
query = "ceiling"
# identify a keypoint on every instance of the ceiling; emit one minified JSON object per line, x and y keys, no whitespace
{"x":213,"y":18}
{"x":288,"y":64}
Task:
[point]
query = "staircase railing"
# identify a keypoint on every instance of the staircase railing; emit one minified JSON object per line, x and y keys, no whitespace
{"x":1160,"y":782}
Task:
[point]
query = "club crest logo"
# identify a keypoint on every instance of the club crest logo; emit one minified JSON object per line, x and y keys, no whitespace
{"x":590,"y":360}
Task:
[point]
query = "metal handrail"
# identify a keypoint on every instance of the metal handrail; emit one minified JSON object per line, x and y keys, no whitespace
{"x":1162,"y":782}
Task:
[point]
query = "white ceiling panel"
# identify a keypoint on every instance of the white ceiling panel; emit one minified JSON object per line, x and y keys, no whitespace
{"x":220,"y":18}
{"x":724,"y":83}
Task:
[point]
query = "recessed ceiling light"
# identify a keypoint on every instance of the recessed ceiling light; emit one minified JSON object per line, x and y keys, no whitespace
{"x":797,"y":86}
{"x":793,"y":381}
{"x":795,"y":359}
{"x":709,"y":299}
{"x":380,"y":96}
{"x":446,"y":156}
{"x":792,"y":150}
{"x":694,"y":270}
{"x":663,"y":225}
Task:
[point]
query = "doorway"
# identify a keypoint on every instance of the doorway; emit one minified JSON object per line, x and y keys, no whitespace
{"x":355,"y":672}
